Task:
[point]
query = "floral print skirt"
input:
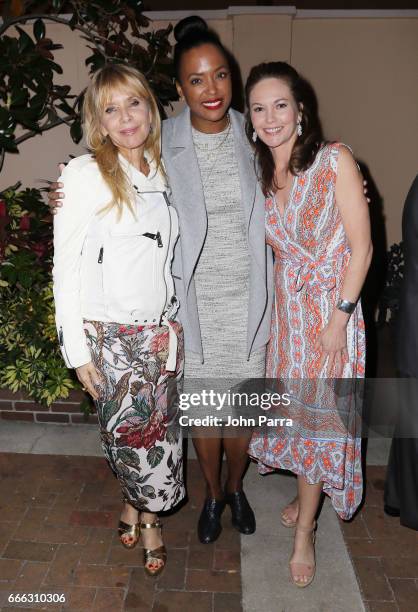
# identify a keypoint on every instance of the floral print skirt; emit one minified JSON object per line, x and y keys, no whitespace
{"x":138,"y":411}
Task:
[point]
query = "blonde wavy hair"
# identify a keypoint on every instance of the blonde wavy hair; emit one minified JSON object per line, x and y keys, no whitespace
{"x":98,"y":94}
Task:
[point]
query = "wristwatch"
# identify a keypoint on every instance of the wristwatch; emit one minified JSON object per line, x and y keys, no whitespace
{"x":346,"y":306}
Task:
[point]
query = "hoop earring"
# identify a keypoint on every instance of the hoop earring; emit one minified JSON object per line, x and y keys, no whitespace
{"x":254,"y":136}
{"x":299,"y":129}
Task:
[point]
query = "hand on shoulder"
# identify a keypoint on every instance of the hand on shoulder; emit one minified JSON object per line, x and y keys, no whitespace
{"x":55,"y":193}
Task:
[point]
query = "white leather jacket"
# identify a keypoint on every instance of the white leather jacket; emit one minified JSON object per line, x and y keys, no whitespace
{"x":107,"y":269}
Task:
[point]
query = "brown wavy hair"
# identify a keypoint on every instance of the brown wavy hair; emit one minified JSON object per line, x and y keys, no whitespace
{"x":97,"y":96}
{"x":307,"y":145}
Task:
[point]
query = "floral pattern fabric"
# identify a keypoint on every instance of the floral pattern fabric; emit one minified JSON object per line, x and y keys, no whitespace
{"x":311,"y":258}
{"x":138,"y":411}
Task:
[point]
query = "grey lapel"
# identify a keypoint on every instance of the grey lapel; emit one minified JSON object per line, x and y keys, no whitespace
{"x":181,"y":161}
{"x":245,"y":164}
{"x":252,"y":203}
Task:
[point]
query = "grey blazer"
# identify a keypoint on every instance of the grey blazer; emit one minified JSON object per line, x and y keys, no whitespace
{"x":187,"y":197}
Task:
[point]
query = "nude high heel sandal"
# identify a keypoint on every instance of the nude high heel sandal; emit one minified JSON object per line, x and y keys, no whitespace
{"x":304,"y":569}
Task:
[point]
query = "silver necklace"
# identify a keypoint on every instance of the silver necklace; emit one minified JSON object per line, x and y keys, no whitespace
{"x":220,"y":144}
{"x":217,"y":149}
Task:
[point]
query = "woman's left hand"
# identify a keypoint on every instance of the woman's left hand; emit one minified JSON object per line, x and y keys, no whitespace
{"x":332,"y":343}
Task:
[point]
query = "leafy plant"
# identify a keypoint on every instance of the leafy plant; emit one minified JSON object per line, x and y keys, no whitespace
{"x":30,"y":359}
{"x":114,"y":31}
{"x":31,"y":103}
{"x":389,"y":299}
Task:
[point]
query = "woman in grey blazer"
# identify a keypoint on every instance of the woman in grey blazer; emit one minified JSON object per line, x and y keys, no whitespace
{"x":222,"y":267}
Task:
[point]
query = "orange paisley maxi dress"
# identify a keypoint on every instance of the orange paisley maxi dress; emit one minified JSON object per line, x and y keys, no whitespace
{"x":311,"y":257}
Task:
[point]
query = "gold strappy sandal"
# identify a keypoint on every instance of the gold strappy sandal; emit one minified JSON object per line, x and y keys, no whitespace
{"x":152,"y":556}
{"x":132,"y":531}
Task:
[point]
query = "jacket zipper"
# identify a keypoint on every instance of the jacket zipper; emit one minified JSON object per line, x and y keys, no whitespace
{"x":156,"y":237}
{"x":61,"y":341}
{"x":166,"y":253}
{"x":100,"y":261}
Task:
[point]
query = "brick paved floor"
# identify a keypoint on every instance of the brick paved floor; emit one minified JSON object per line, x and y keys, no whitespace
{"x":57,"y":535}
{"x":384,"y":554}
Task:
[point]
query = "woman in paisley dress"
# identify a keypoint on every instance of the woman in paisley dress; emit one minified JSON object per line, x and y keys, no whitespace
{"x":115,"y":303}
{"x":317,"y":224}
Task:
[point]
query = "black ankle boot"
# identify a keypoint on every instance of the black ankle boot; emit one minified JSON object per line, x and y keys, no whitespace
{"x":209,"y":526}
{"x":243,"y":518}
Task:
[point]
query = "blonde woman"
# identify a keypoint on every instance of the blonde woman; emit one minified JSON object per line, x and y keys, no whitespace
{"x":115,"y":302}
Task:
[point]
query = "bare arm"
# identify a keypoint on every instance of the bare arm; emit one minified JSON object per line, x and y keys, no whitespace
{"x":354,"y":212}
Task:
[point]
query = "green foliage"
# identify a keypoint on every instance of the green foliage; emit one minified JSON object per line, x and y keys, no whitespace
{"x":31,"y":103}
{"x":388,"y":305}
{"x":29,"y":97}
{"x":115,"y":31}
{"x":30,"y":360}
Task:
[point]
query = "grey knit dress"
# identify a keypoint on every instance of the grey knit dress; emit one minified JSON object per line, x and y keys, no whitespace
{"x":222,"y":272}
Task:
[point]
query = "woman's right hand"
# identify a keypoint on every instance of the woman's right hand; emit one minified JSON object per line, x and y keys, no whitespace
{"x":332,"y":344}
{"x":89,"y":378}
{"x":54,"y":195}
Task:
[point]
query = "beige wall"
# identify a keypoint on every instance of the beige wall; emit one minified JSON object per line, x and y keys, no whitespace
{"x":363,"y":70}
{"x":260,"y":38}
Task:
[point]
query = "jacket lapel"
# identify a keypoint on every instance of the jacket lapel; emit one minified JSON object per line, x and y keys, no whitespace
{"x":252,"y":204}
{"x":181,"y":161}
